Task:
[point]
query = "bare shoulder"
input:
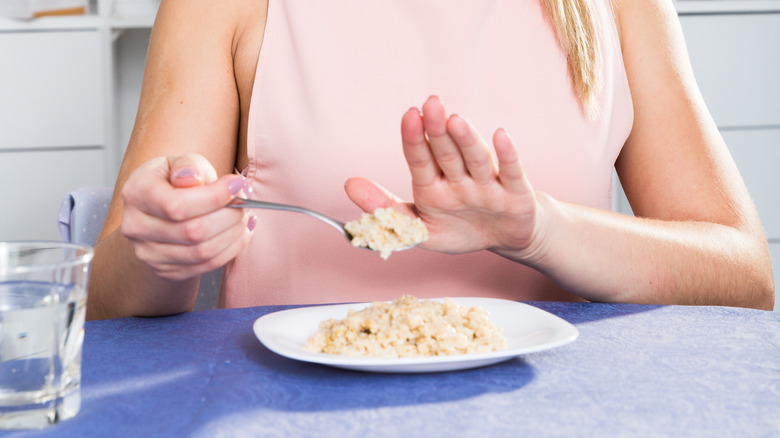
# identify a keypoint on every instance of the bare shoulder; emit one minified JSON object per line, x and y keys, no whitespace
{"x":209,"y":33}
{"x":656,"y":58}
{"x":646,"y":21}
{"x":222,"y":23}
{"x":628,"y":8}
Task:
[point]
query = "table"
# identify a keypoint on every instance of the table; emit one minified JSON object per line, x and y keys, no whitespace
{"x":635,"y":370}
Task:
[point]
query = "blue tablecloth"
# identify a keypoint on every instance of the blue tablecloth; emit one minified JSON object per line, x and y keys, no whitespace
{"x":634,"y":371}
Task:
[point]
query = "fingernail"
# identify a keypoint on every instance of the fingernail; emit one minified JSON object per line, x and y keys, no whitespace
{"x":185,"y":173}
{"x":250,"y":225}
{"x":236,"y":185}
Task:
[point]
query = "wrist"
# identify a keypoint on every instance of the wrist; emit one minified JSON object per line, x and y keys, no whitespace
{"x":535,"y":250}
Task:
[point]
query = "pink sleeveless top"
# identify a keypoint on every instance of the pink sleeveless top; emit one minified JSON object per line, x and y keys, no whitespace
{"x":333,"y":80}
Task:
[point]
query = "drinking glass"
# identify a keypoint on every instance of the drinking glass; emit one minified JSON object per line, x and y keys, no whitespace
{"x":43,"y":295}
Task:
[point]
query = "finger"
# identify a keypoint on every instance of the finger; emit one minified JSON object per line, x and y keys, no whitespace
{"x":191,"y":170}
{"x":138,"y":226}
{"x":510,"y":170}
{"x":422,"y":165}
{"x":178,"y":272}
{"x":149,"y":190}
{"x":369,"y":196}
{"x":162,"y":253}
{"x":443,"y":147}
{"x":475,"y":153}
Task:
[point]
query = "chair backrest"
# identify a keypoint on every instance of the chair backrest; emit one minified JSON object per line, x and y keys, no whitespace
{"x":82,"y":213}
{"x":81,"y":216}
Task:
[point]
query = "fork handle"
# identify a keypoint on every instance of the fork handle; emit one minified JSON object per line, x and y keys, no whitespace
{"x":250,"y":203}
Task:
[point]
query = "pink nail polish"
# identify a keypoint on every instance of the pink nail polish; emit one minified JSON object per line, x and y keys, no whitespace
{"x":250,"y":225}
{"x":236,"y":185}
{"x":185,"y":173}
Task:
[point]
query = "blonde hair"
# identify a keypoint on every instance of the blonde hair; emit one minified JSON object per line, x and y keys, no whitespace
{"x":574,"y":26}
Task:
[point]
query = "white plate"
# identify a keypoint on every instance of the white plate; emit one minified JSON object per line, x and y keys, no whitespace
{"x":527,"y":329}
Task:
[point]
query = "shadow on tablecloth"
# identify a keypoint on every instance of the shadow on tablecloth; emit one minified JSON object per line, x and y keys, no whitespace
{"x":308,"y":387}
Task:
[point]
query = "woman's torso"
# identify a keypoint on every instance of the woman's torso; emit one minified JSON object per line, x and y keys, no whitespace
{"x":331,"y":84}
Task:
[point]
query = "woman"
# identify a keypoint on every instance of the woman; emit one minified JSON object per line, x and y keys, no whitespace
{"x":302,"y":96}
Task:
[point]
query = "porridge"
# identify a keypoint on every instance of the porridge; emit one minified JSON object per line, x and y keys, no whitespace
{"x":386,"y":231}
{"x":408,"y":327}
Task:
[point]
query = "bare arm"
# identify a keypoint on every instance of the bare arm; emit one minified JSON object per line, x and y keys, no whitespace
{"x":697,"y":238}
{"x":708,"y":245}
{"x":177,"y":171}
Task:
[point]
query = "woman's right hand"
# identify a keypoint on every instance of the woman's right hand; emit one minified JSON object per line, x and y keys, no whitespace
{"x":173,"y":214}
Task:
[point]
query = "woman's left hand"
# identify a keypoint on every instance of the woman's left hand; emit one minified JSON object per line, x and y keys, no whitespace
{"x":467,"y":200}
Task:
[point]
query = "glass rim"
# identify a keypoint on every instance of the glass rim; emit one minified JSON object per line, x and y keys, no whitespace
{"x":82,"y":255}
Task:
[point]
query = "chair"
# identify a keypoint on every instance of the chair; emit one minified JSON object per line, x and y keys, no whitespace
{"x":81,"y":216}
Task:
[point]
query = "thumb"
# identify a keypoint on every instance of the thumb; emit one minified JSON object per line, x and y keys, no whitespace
{"x":190,"y":170}
{"x":369,"y":196}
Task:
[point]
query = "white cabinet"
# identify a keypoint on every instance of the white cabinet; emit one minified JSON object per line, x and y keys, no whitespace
{"x":52,"y":130}
{"x":52,"y":93}
{"x":757,"y":154}
{"x":59,"y":103}
{"x":736,"y":61}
